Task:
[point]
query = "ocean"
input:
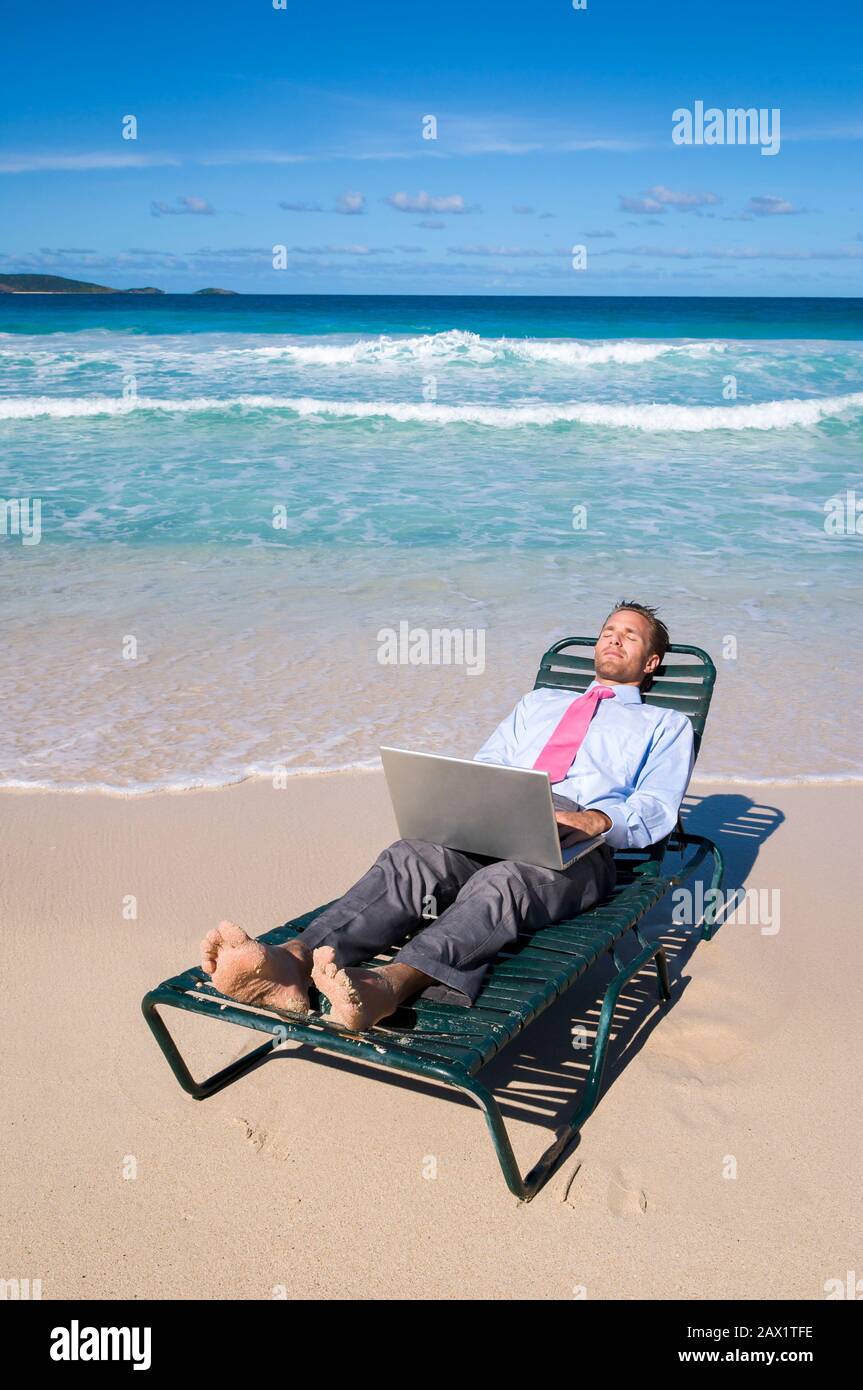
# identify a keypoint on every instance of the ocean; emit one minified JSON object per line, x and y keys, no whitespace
{"x":238,"y":496}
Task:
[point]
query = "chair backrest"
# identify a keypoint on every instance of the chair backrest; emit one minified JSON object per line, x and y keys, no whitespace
{"x":686,"y":685}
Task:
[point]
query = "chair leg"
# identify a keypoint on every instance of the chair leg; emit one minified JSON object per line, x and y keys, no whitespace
{"x":705,"y":847}
{"x":499,"y":1137}
{"x":712,"y":912}
{"x":199,"y":1090}
{"x":526,"y":1188}
{"x":612,"y":993}
{"x":662,"y":975}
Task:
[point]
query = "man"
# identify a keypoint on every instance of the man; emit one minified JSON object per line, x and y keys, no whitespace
{"x":615,"y":764}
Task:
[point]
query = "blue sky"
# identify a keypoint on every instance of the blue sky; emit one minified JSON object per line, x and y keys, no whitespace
{"x":302,"y":128}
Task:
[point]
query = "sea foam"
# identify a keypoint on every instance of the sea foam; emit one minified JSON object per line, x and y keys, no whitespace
{"x":653,"y":416}
{"x":459,"y":346}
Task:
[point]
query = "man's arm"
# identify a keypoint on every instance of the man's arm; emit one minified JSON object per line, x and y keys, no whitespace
{"x":591,"y":822}
{"x":650,"y":812}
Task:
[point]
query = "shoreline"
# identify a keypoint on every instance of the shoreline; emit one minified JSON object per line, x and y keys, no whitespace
{"x":112,"y":793}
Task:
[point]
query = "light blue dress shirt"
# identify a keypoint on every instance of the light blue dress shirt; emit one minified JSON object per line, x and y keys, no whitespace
{"x":634,"y":764}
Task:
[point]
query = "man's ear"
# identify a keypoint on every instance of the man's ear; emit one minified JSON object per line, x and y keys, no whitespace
{"x":651,"y":664}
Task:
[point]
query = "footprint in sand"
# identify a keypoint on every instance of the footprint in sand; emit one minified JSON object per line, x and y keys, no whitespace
{"x":263,"y":1141}
{"x":626,"y":1197}
{"x":621,"y":1191}
{"x":256,"y":1136}
{"x":695,"y":1048}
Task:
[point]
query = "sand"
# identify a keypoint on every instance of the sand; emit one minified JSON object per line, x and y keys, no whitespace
{"x":722,"y":1161}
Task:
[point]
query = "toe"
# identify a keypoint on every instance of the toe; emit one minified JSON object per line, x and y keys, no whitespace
{"x":325,"y":961}
{"x":209,"y":952}
{"x":231,"y":934}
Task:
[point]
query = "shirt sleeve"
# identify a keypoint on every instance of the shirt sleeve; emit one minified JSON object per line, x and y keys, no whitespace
{"x":501,"y":746}
{"x":650,"y":811}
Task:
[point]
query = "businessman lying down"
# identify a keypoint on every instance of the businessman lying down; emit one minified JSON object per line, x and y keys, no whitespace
{"x":615,"y":764}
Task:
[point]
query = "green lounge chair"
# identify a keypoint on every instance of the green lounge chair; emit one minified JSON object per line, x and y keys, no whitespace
{"x":450,"y":1044}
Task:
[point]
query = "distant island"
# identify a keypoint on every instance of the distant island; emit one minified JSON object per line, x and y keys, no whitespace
{"x":60,"y":284}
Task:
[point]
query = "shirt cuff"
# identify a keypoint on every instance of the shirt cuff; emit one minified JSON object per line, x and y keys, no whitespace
{"x":618,"y":835}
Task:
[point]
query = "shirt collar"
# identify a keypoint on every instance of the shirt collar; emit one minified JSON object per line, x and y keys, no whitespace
{"x":627,"y":694}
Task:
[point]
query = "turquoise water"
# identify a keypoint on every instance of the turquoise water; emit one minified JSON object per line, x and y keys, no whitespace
{"x":525,"y":316}
{"x":252,"y":488}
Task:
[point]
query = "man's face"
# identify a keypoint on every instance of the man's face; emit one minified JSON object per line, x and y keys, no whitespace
{"x":623,"y":649}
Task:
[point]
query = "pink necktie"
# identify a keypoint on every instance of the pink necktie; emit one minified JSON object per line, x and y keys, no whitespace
{"x":559,"y":753}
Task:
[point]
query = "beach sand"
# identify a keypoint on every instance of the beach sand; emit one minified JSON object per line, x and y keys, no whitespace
{"x":307,"y":1177}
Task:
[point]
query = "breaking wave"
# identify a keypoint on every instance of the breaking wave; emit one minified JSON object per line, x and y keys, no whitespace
{"x":653,"y":416}
{"x":459,"y":346}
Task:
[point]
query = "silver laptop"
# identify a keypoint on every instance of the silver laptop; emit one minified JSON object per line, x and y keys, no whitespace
{"x":480,"y":808}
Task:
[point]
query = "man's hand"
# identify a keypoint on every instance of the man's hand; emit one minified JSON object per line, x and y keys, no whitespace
{"x":591,"y":822}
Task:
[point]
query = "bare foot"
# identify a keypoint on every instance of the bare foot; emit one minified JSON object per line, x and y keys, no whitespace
{"x":359,"y":995}
{"x":275,"y":976}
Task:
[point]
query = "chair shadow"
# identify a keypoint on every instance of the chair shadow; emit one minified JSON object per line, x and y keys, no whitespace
{"x":738,"y":826}
{"x":539,"y":1078}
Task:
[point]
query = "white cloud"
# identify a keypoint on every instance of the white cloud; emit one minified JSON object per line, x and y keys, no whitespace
{"x":351,"y":204}
{"x":255,"y":157}
{"x":615,"y":146}
{"x":502,"y":147}
{"x":190,"y":205}
{"x":682,"y":201}
{"x":355,"y":250}
{"x":425,"y":202}
{"x":658,"y":198}
{"x":640,"y":205}
{"x":733,"y":253}
{"x":502,"y":251}
{"x":771,"y":207}
{"x":39,"y":163}
{"x":384,"y":154}
{"x":68,"y":260}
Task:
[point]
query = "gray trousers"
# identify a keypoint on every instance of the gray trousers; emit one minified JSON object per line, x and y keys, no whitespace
{"x":461,"y":908}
